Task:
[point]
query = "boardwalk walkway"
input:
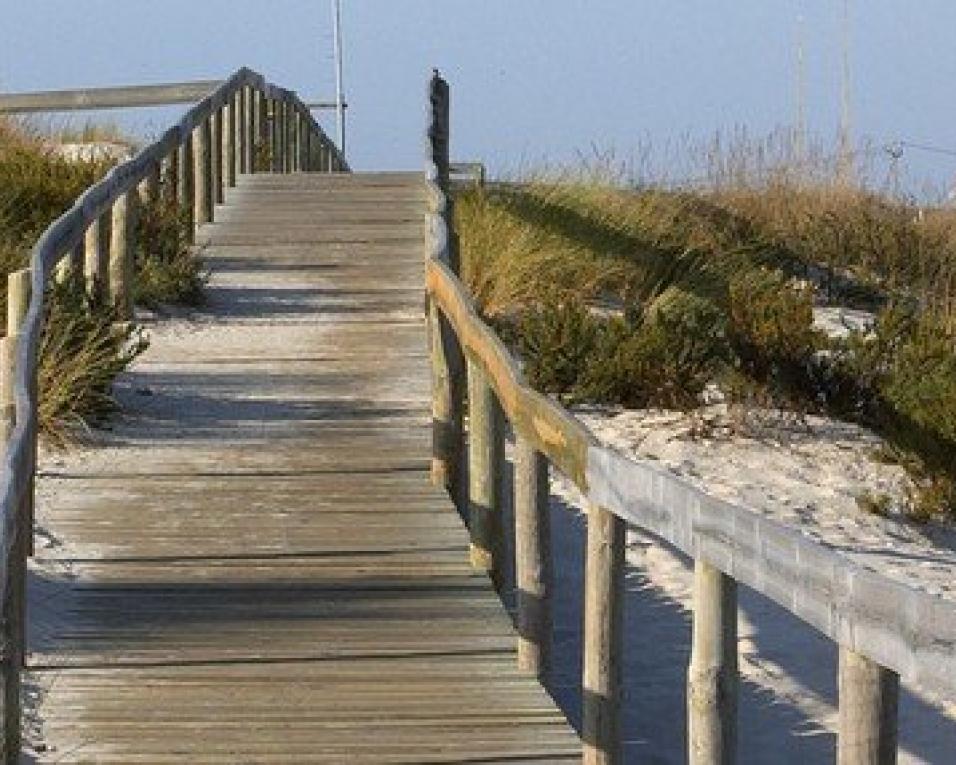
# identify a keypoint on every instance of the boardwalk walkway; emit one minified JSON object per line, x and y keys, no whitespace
{"x":255,"y":567}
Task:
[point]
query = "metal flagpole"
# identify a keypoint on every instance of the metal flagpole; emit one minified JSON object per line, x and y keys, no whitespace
{"x":339,"y":93}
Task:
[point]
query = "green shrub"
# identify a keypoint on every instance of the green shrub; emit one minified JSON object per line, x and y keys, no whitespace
{"x":167,"y":268}
{"x":83,"y":349}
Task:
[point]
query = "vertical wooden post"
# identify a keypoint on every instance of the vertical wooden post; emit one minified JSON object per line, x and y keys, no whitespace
{"x":603,"y":615}
{"x":187,"y":187}
{"x":240,"y":109}
{"x":202,"y":174}
{"x":439,"y":96}
{"x":274,"y":132}
{"x":121,"y":256}
{"x":215,"y":161}
{"x":485,"y":458}
{"x":95,"y":262}
{"x":712,"y":675}
{"x":868,"y":698}
{"x":229,"y":144}
{"x":250,"y":126}
{"x":306,"y":145}
{"x":532,"y":557}
{"x":151,"y":184}
{"x":261,"y":130}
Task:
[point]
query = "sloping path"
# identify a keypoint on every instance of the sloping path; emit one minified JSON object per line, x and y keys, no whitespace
{"x":254,"y":568}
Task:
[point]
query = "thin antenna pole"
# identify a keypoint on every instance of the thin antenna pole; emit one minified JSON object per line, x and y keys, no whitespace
{"x":339,"y":90}
{"x":846,"y":147}
{"x":801,"y":132}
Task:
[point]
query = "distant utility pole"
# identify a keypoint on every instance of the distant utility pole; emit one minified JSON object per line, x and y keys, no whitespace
{"x":339,"y":91}
{"x":846,"y":143}
{"x":800,"y":136}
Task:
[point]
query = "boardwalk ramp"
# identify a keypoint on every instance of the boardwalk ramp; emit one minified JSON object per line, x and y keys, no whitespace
{"x":255,"y":567}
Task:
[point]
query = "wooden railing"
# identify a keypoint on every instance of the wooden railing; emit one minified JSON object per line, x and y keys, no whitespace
{"x":243,"y":126}
{"x":885,"y":630}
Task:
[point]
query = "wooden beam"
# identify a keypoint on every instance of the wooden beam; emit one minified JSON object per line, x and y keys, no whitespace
{"x":868,"y":699}
{"x":123,"y":97}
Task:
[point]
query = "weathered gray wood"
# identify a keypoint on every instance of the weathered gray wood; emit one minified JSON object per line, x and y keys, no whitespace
{"x":868,"y":699}
{"x":248,"y":146}
{"x":187,"y":187}
{"x":603,"y":637}
{"x":259,"y":160}
{"x":485,"y":457}
{"x":121,"y":256}
{"x":241,"y":110}
{"x":532,"y":557}
{"x":169,"y":188}
{"x":712,"y":675}
{"x":202,"y":174}
{"x":124,"y":97}
{"x":899,"y":627}
{"x":229,"y":153}
{"x":282,"y":585}
{"x":215,"y":161}
{"x":438,"y":132}
{"x":95,"y":257}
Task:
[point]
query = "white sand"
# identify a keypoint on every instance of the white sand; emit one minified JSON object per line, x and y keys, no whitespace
{"x":807,"y":476}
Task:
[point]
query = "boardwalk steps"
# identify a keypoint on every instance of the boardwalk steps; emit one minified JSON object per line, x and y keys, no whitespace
{"x":258,"y":569}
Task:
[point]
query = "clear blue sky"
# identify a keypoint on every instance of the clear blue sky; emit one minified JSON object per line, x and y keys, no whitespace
{"x":532,"y":80}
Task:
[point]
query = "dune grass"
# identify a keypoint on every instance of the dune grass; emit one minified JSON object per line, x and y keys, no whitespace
{"x":645,"y":297}
{"x":82,"y":348}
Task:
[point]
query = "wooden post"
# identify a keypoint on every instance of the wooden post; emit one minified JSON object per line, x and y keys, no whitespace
{"x":250,"y":105}
{"x":274,"y":135}
{"x":532,"y":557}
{"x":306,"y":146}
{"x":712,"y":676}
{"x":13,"y":608}
{"x":121,"y":256}
{"x":439,"y":96}
{"x":187,"y":187}
{"x":243,"y":139}
{"x":485,"y":458}
{"x":215,"y":161}
{"x":95,"y":258}
{"x":202,"y":174}
{"x":603,"y":614}
{"x":261,"y":130}
{"x":229,"y":144}
{"x":868,"y":698}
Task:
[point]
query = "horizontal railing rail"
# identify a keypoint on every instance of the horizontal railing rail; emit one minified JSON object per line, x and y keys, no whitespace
{"x":118,"y":97}
{"x":885,"y":629}
{"x":244,"y":125}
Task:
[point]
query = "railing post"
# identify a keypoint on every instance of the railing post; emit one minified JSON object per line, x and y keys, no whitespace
{"x":240,"y":108}
{"x":121,"y":255}
{"x":261,"y":141}
{"x":286,"y":136}
{"x":712,"y":675}
{"x":187,"y":187}
{"x":274,"y":135}
{"x":229,"y":144}
{"x":603,"y":615}
{"x":532,"y":557}
{"x":170,"y":184}
{"x":250,"y":103}
{"x":868,"y":698}
{"x":439,"y":96}
{"x":485,"y":458}
{"x":94,"y":258}
{"x":202,"y":174}
{"x":215,"y":161}
{"x":13,"y":616}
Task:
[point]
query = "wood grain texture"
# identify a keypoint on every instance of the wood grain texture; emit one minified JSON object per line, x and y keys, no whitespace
{"x":269,"y":576}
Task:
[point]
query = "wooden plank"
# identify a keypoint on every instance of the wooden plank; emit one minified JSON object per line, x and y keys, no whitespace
{"x":257,"y":567}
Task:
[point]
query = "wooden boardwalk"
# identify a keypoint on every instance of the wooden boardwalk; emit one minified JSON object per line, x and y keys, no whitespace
{"x":256,"y":568}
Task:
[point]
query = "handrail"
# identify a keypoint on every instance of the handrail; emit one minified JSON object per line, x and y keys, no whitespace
{"x":117,"y":97}
{"x":213,"y":140}
{"x":885,"y":629}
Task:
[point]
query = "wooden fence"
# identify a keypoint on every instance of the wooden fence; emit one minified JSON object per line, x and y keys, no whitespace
{"x":885,"y":630}
{"x":243,"y":126}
